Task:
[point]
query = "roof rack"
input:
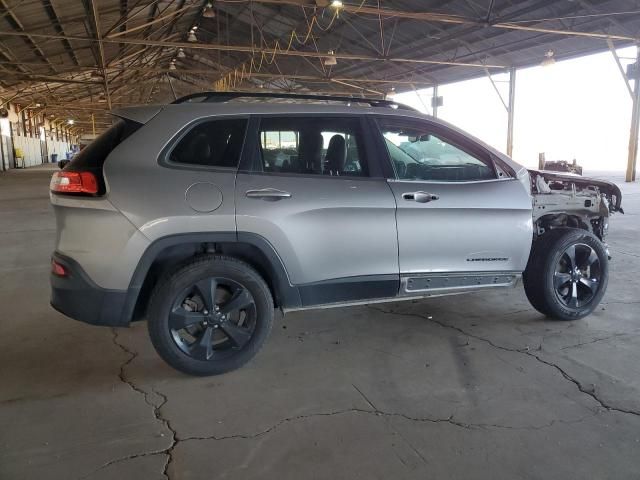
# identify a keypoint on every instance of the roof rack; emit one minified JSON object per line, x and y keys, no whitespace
{"x":220,"y":97}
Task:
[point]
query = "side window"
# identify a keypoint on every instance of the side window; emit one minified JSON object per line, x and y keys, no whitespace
{"x":419,"y":154}
{"x":320,"y":146}
{"x":214,"y":143}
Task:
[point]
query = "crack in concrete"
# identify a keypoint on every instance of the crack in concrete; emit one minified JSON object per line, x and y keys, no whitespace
{"x":156,"y":409}
{"x":619,"y":303}
{"x":599,"y":339}
{"x":175,"y":440}
{"x":382,"y":413}
{"x":625,"y":253}
{"x":526,"y":351}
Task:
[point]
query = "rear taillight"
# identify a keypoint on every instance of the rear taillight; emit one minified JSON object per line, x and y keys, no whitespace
{"x":74,"y":182}
{"x":58,"y":269}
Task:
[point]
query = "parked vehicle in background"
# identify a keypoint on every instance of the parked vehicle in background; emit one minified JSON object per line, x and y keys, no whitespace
{"x":563,"y":166}
{"x":203,"y":215}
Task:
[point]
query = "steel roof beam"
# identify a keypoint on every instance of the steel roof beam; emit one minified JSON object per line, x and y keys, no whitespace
{"x":17,"y":25}
{"x":453,"y":19}
{"x":250,"y":49}
{"x":92,"y":8}
{"x":55,"y":20}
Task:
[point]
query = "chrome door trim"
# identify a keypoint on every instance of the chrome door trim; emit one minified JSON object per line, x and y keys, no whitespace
{"x":436,"y":182}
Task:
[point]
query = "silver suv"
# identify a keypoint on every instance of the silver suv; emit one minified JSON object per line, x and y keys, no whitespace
{"x":203,"y":215}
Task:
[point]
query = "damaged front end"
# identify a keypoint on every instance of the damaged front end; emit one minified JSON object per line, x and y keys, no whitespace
{"x":573,"y":201}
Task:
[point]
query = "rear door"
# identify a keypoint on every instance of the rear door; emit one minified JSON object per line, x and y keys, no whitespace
{"x":312,"y":189}
{"x":463,"y":222}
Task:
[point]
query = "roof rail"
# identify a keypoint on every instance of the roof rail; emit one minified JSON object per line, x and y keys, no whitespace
{"x":219,"y":97}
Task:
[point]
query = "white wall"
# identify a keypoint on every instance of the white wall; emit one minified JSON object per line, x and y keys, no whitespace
{"x":59,"y":147}
{"x":32,"y":150}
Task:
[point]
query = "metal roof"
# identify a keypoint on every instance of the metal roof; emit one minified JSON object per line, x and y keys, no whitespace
{"x":77,"y":57}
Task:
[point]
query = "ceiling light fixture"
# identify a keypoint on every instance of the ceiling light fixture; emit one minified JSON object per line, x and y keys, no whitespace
{"x":192,"y":37}
{"x":330,"y":60}
{"x":337,"y":4}
{"x":71,"y":121}
{"x":208,"y":11}
{"x":549,"y":58}
{"x":181,"y":53}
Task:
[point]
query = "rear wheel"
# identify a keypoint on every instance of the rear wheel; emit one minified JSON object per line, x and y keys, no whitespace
{"x":210,"y":316}
{"x":567,"y":274}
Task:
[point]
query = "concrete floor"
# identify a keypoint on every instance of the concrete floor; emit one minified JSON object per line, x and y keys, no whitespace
{"x":475,"y":386}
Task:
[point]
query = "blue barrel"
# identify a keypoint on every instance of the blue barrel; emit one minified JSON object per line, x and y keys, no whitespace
{"x":54,"y":157}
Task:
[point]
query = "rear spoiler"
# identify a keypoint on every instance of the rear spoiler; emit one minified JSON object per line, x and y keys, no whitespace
{"x":140,"y":114}
{"x":609,"y":189}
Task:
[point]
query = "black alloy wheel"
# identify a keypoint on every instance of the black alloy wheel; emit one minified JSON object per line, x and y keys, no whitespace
{"x":577,"y":275}
{"x":567,"y":273}
{"x":212,"y":317}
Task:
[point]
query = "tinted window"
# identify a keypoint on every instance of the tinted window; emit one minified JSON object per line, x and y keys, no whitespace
{"x":215,"y":143}
{"x":94,"y":154}
{"x":321,"y":146}
{"x":419,"y":154}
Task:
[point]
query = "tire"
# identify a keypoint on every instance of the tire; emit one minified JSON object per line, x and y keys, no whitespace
{"x":193,"y":321}
{"x":552,"y":284}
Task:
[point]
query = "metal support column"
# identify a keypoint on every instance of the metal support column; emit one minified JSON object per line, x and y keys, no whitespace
{"x":434,"y":101}
{"x":173,"y":92}
{"x":635,"y":119}
{"x":510,"y":110}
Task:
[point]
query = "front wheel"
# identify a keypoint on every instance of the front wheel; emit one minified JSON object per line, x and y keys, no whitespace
{"x":210,"y":316}
{"x":567,"y":273}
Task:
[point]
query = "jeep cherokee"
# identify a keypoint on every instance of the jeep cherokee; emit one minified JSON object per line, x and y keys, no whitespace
{"x":204,"y":215}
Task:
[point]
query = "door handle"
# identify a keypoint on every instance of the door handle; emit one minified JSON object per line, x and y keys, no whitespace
{"x":270,"y":194}
{"x":420,"y":197}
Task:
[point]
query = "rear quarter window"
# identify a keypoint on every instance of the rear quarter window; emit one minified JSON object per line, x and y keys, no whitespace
{"x":212,"y":143}
{"x":94,"y":154}
{"x":92,"y":157}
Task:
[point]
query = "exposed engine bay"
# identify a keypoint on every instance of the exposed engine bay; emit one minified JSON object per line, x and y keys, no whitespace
{"x":573,"y":201}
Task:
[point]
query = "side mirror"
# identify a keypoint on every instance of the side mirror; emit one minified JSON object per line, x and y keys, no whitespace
{"x":62,"y":163}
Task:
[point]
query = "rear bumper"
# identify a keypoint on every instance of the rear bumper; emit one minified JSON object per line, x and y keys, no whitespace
{"x":77,"y":296}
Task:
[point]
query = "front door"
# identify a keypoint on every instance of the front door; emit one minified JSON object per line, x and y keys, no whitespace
{"x":313,"y":192}
{"x":462,"y":222}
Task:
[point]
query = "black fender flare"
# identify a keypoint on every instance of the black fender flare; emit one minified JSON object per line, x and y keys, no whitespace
{"x":286,"y":295}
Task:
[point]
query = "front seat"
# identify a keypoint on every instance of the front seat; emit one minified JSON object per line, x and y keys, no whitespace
{"x":310,"y":151}
{"x":336,"y":154}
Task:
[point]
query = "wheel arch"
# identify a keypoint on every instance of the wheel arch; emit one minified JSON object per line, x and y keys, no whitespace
{"x":553,"y":221}
{"x":166,"y":253}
